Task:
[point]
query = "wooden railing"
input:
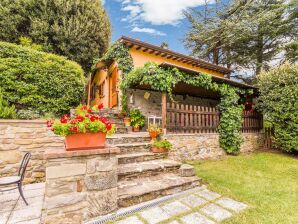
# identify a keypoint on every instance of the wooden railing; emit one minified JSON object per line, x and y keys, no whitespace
{"x":183,"y":118}
{"x":252,"y":122}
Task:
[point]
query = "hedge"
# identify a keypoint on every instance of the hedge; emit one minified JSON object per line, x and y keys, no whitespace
{"x":279,"y":102}
{"x":40,"y":82}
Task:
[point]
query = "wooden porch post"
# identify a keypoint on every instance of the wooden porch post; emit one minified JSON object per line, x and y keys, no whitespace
{"x":164,"y":112}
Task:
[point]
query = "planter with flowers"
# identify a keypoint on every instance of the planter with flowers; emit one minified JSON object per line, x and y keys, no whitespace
{"x":161,"y":146}
{"x":154,"y":131}
{"x":137,"y":119}
{"x":85,"y":130}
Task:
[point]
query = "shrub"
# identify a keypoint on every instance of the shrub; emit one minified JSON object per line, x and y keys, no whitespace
{"x":38,"y":81}
{"x":6,"y":111}
{"x":279,"y":102}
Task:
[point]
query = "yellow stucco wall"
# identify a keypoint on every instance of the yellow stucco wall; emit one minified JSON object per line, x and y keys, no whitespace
{"x":140,"y":58}
{"x":99,"y":78}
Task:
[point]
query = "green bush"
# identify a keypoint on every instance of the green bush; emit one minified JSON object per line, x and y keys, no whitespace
{"x":40,"y":82}
{"x":165,"y":144}
{"x":279,"y":102}
{"x":6,"y":111}
{"x":137,"y":118}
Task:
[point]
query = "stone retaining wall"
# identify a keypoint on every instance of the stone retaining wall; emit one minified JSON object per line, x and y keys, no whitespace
{"x":80,"y":185}
{"x":206,"y":146}
{"x":20,"y":136}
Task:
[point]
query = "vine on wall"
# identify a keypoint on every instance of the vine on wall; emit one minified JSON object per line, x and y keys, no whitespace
{"x":165,"y":79}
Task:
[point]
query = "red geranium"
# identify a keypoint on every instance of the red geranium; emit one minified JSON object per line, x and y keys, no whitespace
{"x":100,"y":106}
{"x":108,"y":126}
{"x":73,"y":129}
{"x":93,"y":118}
{"x":63,"y":120}
{"x":80,"y":118}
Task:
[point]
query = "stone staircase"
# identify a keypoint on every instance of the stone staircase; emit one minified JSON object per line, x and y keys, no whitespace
{"x":143,"y":175}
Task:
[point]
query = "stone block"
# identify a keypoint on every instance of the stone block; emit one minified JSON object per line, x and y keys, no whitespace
{"x":65,"y":170}
{"x":12,"y":156}
{"x":101,"y":202}
{"x":102,"y":164}
{"x":233,"y":205}
{"x":195,"y":218}
{"x":175,"y":208}
{"x":63,"y":200}
{"x":186,"y":170}
{"x":216,"y":212}
{"x":154,"y":215}
{"x":101,"y":181}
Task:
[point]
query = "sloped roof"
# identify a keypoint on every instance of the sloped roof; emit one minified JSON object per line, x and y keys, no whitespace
{"x":153,"y":49}
{"x":215,"y":78}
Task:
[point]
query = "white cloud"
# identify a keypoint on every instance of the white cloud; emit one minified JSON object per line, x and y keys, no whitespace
{"x":159,"y":12}
{"x":148,"y":30}
{"x":103,"y":2}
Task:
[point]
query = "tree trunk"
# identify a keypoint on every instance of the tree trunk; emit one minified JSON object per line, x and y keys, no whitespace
{"x":259,"y":62}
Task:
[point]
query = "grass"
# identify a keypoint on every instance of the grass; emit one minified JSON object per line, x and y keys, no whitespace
{"x":267,"y":182}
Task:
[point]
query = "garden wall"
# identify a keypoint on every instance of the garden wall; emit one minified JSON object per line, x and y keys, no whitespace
{"x":206,"y":146}
{"x":20,"y":136}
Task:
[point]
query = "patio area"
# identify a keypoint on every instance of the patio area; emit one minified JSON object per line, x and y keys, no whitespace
{"x":198,"y":205}
{"x":14,"y":210}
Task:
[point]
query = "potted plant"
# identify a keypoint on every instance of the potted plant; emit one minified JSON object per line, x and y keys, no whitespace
{"x":137,"y":119}
{"x":154,"y":131}
{"x":85,"y":130}
{"x":161,"y":146}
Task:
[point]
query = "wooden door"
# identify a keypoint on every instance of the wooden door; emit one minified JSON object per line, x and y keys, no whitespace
{"x":113,"y":94}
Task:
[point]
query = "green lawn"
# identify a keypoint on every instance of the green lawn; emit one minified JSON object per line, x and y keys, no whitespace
{"x":268,"y":182}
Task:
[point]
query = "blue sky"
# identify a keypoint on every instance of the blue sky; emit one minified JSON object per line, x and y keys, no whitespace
{"x":152,"y":21}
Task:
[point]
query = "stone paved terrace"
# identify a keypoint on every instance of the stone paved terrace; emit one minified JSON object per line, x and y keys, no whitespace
{"x":14,"y":210}
{"x":195,"y":206}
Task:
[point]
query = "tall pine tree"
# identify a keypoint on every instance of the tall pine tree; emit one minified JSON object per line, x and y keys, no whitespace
{"x":246,"y":34}
{"x":77,"y":29}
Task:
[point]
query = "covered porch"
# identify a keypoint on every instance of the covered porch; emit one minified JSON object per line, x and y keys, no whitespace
{"x":192,"y":109}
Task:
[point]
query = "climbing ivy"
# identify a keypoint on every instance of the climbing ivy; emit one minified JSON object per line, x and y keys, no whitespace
{"x":118,"y":52}
{"x":165,"y":79}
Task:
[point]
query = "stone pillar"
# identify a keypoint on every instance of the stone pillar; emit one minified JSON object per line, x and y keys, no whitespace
{"x":80,"y":185}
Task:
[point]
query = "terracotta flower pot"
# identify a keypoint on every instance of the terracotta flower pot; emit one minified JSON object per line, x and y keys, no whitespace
{"x":153,"y":134}
{"x":84,"y":141}
{"x":158,"y":150}
{"x":135,"y":129}
{"x":126,"y":121}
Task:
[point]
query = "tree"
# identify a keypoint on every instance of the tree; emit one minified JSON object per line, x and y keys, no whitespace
{"x":278,"y":102}
{"x":246,"y":34}
{"x":77,"y":29}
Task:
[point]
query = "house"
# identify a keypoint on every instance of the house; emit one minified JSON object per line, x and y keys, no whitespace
{"x":104,"y":86}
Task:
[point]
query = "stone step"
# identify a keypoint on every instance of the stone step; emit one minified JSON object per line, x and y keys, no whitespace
{"x":138,"y":137}
{"x":145,"y":189}
{"x":128,"y":148}
{"x":139,"y":157}
{"x":133,"y":171}
{"x":121,"y":130}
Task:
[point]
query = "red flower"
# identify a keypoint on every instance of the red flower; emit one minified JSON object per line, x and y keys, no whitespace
{"x":73,"y":121}
{"x":49,"y":123}
{"x":80,"y":118}
{"x":108,"y":126}
{"x":93,"y":118}
{"x":89,"y":111}
{"x":63,"y":120}
{"x":73,"y":129}
{"x":100,"y":106}
{"x":84,"y":108}
{"x":103,"y":120}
